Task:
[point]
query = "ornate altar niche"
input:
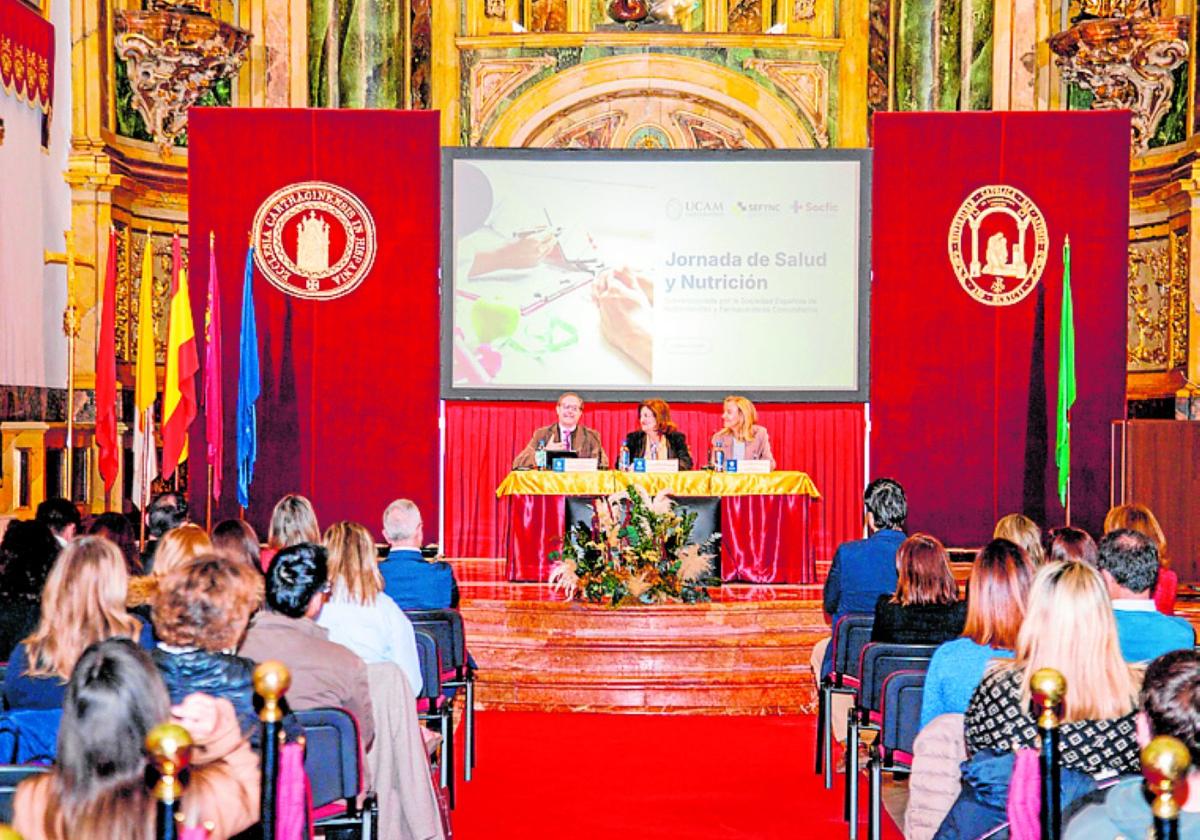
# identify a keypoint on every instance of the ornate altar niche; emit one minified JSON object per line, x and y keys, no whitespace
{"x":710,"y":74}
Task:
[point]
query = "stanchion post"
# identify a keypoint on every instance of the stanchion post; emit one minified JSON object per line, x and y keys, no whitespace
{"x":271,"y":682}
{"x":1165,"y":760}
{"x":1047,"y":689}
{"x":170,"y":749}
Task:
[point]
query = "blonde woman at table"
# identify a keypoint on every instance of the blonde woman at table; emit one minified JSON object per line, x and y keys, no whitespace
{"x":658,"y":437}
{"x":741,"y":438}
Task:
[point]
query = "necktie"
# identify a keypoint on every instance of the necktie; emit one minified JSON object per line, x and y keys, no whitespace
{"x":567,"y":439}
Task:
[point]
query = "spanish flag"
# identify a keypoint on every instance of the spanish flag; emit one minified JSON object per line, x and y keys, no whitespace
{"x":183,"y":363}
{"x":145,"y":384}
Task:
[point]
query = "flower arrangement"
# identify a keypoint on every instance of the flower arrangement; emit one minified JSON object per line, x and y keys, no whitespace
{"x":635,"y":551}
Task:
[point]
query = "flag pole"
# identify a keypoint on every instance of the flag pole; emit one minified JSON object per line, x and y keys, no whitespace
{"x":209,"y":500}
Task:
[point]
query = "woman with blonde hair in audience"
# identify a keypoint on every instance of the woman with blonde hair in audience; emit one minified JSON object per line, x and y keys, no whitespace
{"x":1020,"y":529}
{"x":83,"y":602}
{"x":996,"y":594}
{"x":359,"y":615}
{"x":1138,"y":517}
{"x":293,"y":521}
{"x":97,"y":789}
{"x":1068,"y":626}
{"x":175,"y":548}
{"x":925,"y":609}
{"x":741,"y":438}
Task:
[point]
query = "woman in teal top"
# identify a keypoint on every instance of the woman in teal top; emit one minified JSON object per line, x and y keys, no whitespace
{"x":996,"y":595}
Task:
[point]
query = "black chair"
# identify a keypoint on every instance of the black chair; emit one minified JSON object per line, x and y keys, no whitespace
{"x":892,"y":752}
{"x":439,"y":710}
{"x":12,"y":775}
{"x":850,"y":635}
{"x":446,"y":627}
{"x":876,"y":662}
{"x":332,"y":762}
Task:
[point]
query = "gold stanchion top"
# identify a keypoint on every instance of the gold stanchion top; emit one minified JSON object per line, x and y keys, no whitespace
{"x":1047,"y":688}
{"x":271,"y":682}
{"x":1165,"y":760}
{"x":7,"y":833}
{"x":170,"y":748}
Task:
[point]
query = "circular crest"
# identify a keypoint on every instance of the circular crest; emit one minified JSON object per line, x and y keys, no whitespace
{"x":998,"y":245}
{"x":313,"y":239}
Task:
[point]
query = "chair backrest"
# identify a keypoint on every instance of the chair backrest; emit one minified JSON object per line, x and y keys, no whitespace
{"x":446,"y":627}
{"x":11,"y":775}
{"x":431,"y":671}
{"x":878,"y":660}
{"x":850,"y":635}
{"x":331,"y":756}
{"x":901,"y":710}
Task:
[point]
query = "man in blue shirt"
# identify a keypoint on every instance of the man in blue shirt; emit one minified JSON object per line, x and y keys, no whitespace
{"x":412,"y":581}
{"x":863,"y":570}
{"x":1128,"y":563}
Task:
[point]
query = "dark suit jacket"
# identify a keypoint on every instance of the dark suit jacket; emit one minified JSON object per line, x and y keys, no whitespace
{"x":584,"y":441}
{"x":414,"y":583}
{"x":861,"y":571}
{"x":636,"y":442}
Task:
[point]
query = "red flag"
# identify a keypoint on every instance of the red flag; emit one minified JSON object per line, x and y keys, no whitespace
{"x":183,"y":363}
{"x":213,"y":428}
{"x":106,"y":372}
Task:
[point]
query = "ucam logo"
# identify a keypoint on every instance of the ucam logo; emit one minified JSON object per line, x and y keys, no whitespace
{"x":678,"y":208}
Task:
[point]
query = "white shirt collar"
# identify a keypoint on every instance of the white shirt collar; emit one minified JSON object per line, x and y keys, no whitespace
{"x":1134,"y":604}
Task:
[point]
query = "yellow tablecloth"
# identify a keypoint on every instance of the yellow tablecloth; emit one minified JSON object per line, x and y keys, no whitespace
{"x":689,"y":483}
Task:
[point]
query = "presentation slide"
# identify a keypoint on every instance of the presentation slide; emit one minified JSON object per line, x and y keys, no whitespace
{"x":642,"y":274}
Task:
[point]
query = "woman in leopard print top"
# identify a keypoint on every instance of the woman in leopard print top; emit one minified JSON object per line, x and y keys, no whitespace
{"x":1068,"y":626}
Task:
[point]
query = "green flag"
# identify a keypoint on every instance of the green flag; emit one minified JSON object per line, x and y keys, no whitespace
{"x":1066,"y":379}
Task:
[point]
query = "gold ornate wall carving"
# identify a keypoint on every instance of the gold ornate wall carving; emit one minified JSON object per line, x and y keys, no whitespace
{"x":1158,"y":304}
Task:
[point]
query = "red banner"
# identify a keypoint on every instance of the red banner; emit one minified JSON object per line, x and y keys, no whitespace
{"x":346,"y":291}
{"x":969,"y":216}
{"x":26,"y":54}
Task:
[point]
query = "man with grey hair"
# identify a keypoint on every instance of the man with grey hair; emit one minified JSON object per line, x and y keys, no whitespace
{"x":1128,"y":562}
{"x":412,"y":581}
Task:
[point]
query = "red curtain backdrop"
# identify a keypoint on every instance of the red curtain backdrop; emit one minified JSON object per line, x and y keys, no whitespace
{"x":349,"y":408}
{"x":825,"y":441}
{"x":963,"y":395}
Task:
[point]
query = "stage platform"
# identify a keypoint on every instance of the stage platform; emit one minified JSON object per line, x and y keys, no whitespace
{"x":747,"y":652}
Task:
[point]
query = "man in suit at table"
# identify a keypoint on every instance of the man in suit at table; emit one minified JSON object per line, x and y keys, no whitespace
{"x":567,"y":434}
{"x":408,"y":578}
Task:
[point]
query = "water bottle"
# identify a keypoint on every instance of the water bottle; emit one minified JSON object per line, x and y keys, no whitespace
{"x":539,"y":457}
{"x":719,"y":460}
{"x":623,"y":461}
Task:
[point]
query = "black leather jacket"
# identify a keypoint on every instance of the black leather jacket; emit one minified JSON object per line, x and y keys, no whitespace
{"x":215,"y":674}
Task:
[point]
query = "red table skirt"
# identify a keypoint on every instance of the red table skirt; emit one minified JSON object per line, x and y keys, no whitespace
{"x":764,"y":539}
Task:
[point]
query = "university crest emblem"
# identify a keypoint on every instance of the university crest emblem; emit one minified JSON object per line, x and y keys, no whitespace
{"x":998,"y":244}
{"x":314,"y":239}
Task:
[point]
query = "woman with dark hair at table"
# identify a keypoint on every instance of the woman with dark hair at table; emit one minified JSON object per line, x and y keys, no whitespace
{"x":658,"y":438}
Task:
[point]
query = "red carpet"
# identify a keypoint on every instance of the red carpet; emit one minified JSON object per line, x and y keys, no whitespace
{"x":587,"y":776}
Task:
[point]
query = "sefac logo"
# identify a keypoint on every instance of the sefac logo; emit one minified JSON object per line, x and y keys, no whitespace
{"x":314,"y":240}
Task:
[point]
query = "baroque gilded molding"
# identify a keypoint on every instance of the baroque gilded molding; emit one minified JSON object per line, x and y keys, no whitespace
{"x":1128,"y":63}
{"x":1149,"y":313}
{"x":493,"y":81}
{"x":173,"y":55}
{"x":806,"y":83}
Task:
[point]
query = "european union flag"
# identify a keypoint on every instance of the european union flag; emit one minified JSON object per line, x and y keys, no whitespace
{"x":249,"y":386}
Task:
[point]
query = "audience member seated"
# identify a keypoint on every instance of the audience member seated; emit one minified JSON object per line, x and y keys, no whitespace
{"x":166,"y":513}
{"x":925,"y":609}
{"x":1170,"y":706}
{"x":1071,"y":545}
{"x":200,"y":613}
{"x":175,"y":548}
{"x":568,"y":434}
{"x":1129,"y":564}
{"x":236,"y":539}
{"x":359,"y":614}
{"x":1020,"y":529}
{"x":658,"y":438}
{"x":61,"y":517}
{"x":741,"y":438}
{"x":293,"y":521}
{"x":1068,"y":626}
{"x":413,"y":582}
{"x":324,"y":673}
{"x":1139,"y":518}
{"x":98,"y":788}
{"x":863,"y":570}
{"x":997,"y":590}
{"x":27,"y":554}
{"x":83,"y":602}
{"x":118,"y":530}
